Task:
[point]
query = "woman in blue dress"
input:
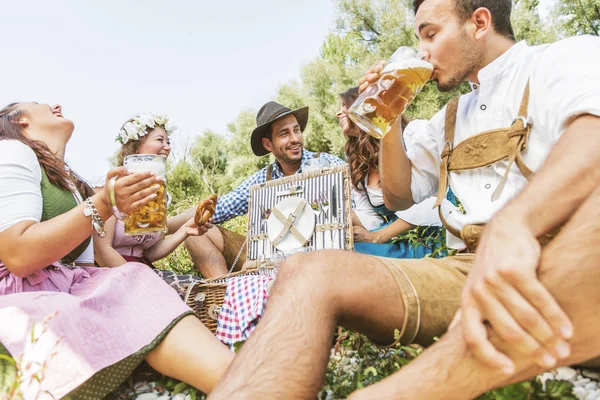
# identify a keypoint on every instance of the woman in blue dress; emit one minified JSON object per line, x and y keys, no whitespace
{"x":376,"y":228}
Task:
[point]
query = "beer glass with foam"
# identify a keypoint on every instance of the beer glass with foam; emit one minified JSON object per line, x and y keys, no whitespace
{"x":153,"y":216}
{"x":378,"y":108}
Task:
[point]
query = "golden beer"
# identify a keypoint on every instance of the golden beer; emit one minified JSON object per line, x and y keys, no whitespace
{"x":378,"y":108}
{"x":151,"y":217}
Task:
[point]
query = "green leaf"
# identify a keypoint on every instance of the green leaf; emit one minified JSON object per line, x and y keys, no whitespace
{"x":559,"y":390}
{"x":180,"y":387}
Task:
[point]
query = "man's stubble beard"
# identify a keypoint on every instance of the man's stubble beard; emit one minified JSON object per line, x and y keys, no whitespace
{"x":282,"y":157}
{"x":472,"y":60}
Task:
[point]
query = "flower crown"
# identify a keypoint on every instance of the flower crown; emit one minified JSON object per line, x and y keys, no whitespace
{"x":138,"y":126}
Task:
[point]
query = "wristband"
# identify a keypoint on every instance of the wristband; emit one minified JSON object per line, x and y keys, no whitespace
{"x":111,"y":199}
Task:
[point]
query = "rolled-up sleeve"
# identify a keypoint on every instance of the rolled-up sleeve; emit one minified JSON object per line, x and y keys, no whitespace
{"x":567,"y":78}
{"x":422,"y":140}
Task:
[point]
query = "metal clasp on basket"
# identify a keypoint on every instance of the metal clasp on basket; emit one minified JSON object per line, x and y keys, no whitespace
{"x":214,"y":311}
{"x":200,"y":297}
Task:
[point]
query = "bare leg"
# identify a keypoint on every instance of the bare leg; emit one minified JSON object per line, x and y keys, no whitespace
{"x":287,"y":355}
{"x":207,"y":253}
{"x":569,"y":268}
{"x":192,"y":354}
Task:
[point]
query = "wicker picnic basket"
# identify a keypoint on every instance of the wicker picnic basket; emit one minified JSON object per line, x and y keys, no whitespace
{"x":206,"y":298}
{"x":334,"y":232}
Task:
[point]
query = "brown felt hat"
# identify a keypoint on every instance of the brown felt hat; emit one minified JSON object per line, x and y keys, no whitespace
{"x":268,"y":114}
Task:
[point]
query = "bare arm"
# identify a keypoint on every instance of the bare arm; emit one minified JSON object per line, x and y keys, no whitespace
{"x":395,"y":171}
{"x":55,"y":238}
{"x":174,"y":223}
{"x":391,"y":231}
{"x":104,"y":253}
{"x":508,"y":256}
{"x":167,"y":245}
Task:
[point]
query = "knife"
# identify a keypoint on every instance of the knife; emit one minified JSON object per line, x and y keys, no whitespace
{"x":293,"y":190}
{"x":334,"y":208}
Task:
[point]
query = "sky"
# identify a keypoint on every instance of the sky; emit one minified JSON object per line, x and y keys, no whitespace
{"x":199,"y":61}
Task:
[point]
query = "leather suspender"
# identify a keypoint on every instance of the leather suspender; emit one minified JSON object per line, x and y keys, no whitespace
{"x":269,"y":172}
{"x":482,"y":150}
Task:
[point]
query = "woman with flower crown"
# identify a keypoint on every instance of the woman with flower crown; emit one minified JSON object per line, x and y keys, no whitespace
{"x":74,"y":330}
{"x":145,"y":134}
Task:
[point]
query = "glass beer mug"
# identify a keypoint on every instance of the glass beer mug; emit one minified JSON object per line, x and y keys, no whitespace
{"x":378,"y":108}
{"x":153,"y":216}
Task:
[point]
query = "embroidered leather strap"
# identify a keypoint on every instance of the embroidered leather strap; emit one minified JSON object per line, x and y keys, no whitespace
{"x":482,"y":150}
{"x":288,"y":224}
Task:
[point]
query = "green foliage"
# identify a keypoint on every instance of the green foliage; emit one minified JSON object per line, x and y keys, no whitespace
{"x":356,"y":363}
{"x":184,"y":182}
{"x":577,"y":17}
{"x":430,"y":237}
{"x":532,"y":390}
{"x":528,"y":25}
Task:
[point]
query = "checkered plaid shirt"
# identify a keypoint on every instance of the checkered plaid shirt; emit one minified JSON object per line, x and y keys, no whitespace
{"x":235,"y":203}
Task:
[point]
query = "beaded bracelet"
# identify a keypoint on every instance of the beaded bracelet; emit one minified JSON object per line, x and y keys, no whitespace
{"x":97,"y":223}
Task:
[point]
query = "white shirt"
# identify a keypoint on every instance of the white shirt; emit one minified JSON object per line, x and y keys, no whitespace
{"x":419,"y":214}
{"x":21,"y":193}
{"x":564,"y":84}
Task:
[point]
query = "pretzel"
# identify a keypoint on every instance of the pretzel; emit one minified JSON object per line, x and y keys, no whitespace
{"x":205,"y":210}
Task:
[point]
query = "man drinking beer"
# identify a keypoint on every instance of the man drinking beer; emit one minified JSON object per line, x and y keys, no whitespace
{"x":522,"y":153}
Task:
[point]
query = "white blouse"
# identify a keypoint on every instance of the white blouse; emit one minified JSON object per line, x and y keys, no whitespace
{"x":21,"y":194}
{"x":564,"y":80}
{"x":419,"y":214}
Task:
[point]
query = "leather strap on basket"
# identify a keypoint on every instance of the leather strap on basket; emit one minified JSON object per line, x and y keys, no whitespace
{"x":288,"y":223}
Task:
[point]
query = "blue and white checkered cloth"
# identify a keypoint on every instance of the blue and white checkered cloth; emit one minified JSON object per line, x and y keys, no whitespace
{"x":235,"y":203}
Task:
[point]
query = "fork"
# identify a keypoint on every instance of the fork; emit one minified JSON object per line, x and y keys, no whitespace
{"x":264,"y":215}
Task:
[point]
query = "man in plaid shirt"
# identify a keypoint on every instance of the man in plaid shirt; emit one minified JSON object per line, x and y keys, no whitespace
{"x":279,"y":131}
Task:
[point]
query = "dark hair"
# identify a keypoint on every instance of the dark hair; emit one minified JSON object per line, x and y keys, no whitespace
{"x":54,"y":166}
{"x":362,"y":151}
{"x":499,"y":9}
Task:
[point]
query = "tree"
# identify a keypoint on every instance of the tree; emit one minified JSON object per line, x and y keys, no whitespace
{"x":208,"y":159}
{"x":577,"y":17}
{"x":528,"y":25}
{"x":185,"y":182}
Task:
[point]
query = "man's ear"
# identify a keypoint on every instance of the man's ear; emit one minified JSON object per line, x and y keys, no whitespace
{"x":482,"y":22}
{"x":267,"y":144}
